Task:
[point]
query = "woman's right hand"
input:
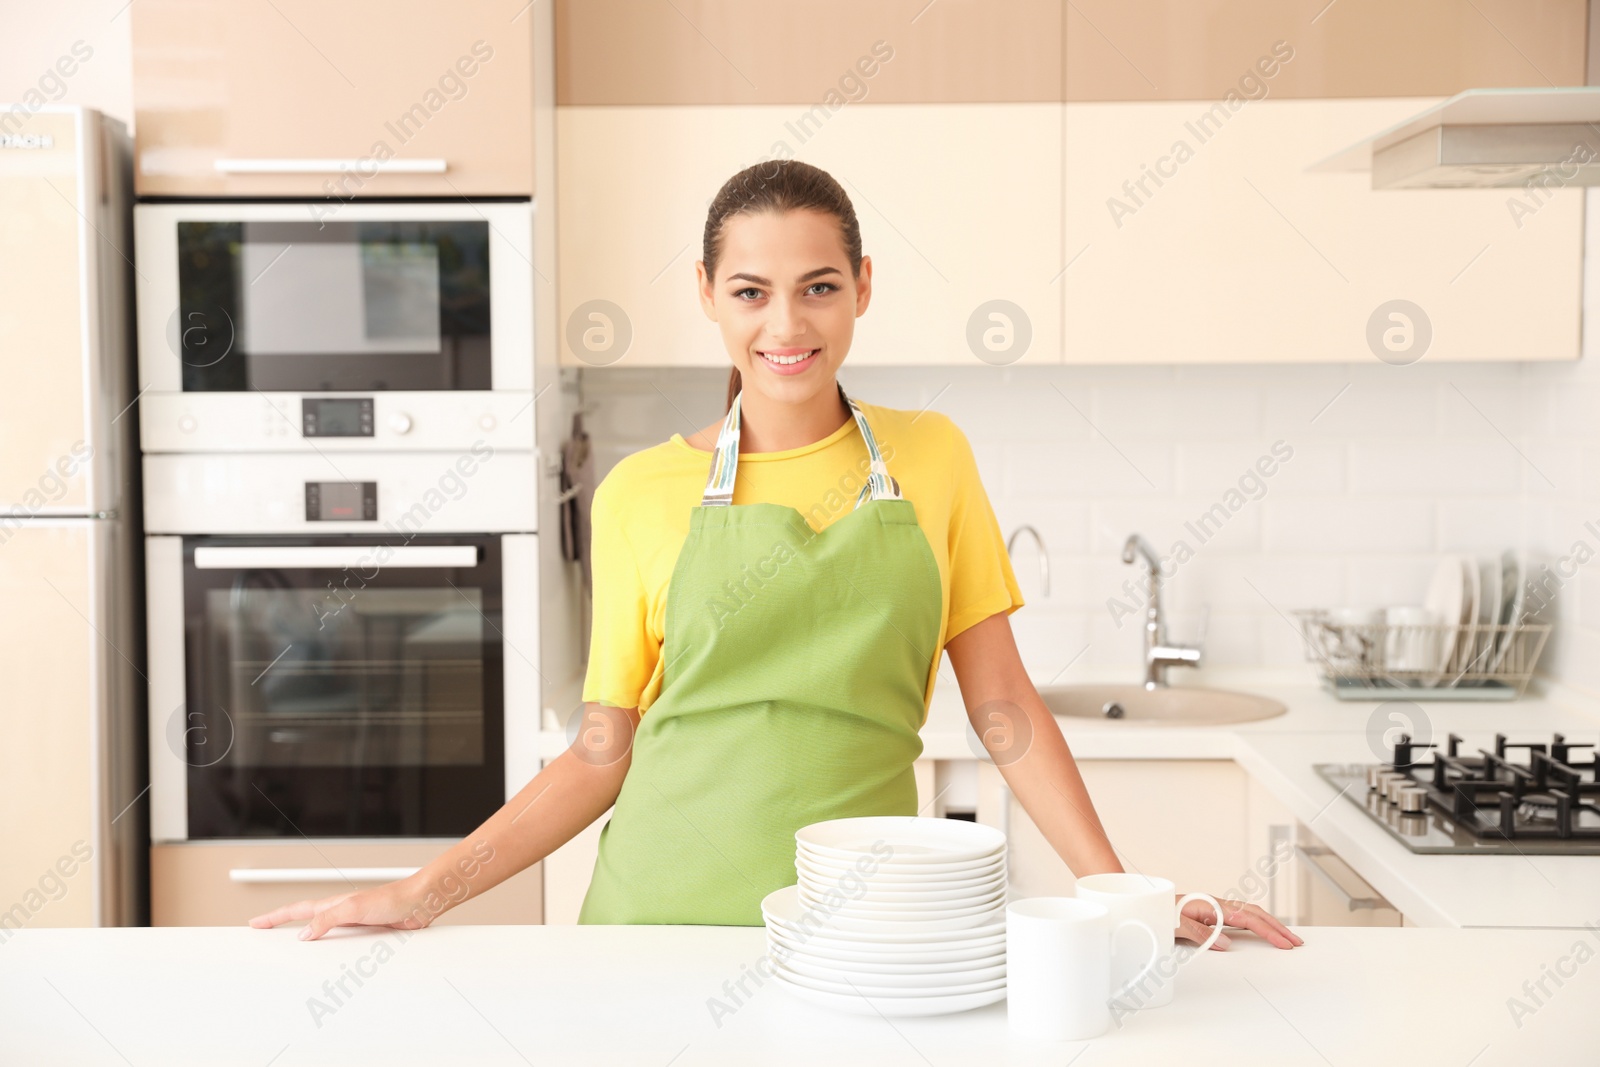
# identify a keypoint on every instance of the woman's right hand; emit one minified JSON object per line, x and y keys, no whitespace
{"x":400,"y":905}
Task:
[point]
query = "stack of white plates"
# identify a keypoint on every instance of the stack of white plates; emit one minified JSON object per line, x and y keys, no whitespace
{"x":894,"y":916}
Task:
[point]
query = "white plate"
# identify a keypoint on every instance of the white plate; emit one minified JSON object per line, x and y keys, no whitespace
{"x":875,"y":964}
{"x":1469,"y":614}
{"x":893,"y":1007}
{"x":841,"y":951}
{"x":1447,"y":594}
{"x":857,"y":989}
{"x":1489,"y":575}
{"x":782,"y":908}
{"x":935,"y":893}
{"x":914,"y":839}
{"x":926,"y":980}
{"x":909,"y":874}
{"x":1513,"y":600}
{"x":955,"y":925}
{"x":898,"y":913}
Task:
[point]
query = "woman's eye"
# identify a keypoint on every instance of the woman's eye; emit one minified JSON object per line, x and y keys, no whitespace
{"x":819,"y":288}
{"x":747,"y":294}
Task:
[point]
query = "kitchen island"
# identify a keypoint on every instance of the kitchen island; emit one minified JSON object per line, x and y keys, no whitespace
{"x":669,"y":995}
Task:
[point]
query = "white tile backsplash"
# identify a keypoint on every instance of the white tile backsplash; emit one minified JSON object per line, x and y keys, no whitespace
{"x":1391,"y":466}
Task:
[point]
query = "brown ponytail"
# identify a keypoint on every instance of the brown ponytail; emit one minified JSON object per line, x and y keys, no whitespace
{"x":778,"y":185}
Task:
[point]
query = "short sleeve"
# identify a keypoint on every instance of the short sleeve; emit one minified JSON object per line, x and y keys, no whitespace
{"x":622,"y":651}
{"x":981,"y":580}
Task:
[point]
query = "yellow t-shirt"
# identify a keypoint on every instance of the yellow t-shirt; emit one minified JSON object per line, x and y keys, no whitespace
{"x":641,"y":517}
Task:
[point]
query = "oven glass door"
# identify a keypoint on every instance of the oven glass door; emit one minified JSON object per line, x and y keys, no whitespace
{"x":343,"y":687}
{"x":291,"y":306}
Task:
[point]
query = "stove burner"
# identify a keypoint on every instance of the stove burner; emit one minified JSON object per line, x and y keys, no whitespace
{"x":1484,"y":803}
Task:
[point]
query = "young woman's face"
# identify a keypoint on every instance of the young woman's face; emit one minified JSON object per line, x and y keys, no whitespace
{"x":785,"y":300}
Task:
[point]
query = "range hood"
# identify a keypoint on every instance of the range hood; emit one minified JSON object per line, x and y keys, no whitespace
{"x":1486,"y":139}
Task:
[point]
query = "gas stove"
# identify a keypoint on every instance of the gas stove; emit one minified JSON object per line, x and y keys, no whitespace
{"x":1483,"y":804}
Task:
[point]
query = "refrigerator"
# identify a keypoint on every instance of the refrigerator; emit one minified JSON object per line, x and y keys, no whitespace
{"x":74,"y":811}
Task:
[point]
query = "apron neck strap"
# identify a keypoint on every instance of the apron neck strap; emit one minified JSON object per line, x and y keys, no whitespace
{"x":725,"y":460}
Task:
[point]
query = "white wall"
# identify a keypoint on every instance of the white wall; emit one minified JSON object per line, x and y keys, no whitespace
{"x":1390,"y":466}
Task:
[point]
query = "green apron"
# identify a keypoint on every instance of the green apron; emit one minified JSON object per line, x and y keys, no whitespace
{"x":797,"y":664}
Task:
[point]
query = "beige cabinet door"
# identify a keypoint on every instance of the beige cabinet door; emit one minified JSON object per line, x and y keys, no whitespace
{"x":361,"y":98}
{"x":226,"y":883}
{"x":959,"y":207}
{"x":50,"y":857}
{"x":1196,"y":234}
{"x":44,"y":450}
{"x":1177,"y":819}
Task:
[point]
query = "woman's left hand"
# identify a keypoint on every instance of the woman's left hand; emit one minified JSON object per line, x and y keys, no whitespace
{"x":1198,"y":917}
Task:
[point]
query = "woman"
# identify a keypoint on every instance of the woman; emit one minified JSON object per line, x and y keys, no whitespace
{"x":772,"y":601}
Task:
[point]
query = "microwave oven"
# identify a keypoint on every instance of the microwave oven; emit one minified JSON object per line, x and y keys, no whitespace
{"x":385,"y":327}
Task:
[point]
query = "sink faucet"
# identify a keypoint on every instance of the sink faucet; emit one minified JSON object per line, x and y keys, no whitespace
{"x":1044,"y":557}
{"x":1158,"y":655}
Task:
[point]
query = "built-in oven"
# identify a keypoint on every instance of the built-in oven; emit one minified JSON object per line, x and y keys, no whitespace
{"x":340,"y":647}
{"x":376,"y":327}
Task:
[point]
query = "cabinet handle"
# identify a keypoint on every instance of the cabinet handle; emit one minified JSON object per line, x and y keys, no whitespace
{"x":322,"y":557}
{"x":331,"y":166}
{"x":1309,"y":853}
{"x":320,"y":874}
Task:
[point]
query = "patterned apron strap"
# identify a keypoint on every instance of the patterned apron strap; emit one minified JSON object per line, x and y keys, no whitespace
{"x":881,"y":485}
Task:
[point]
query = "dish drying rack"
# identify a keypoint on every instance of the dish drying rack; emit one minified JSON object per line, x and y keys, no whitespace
{"x":1438,"y":661}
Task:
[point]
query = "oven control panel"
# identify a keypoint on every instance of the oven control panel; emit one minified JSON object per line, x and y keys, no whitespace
{"x":383,"y":421}
{"x":336,"y":416}
{"x":341,"y":501}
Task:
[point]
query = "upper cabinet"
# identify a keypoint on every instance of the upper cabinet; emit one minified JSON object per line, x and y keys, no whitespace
{"x":1196,"y":234}
{"x":1114,"y":181}
{"x":354,"y":99}
{"x":959,"y":208}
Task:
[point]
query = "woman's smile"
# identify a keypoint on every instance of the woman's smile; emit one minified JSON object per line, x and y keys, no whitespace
{"x":787,"y":360}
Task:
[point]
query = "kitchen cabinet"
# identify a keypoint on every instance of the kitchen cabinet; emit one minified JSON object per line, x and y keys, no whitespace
{"x":225,"y":883}
{"x":959,"y":207}
{"x":1328,"y":891}
{"x":1195,"y":234}
{"x":1200,"y":844}
{"x":356,"y":99}
{"x":620,"y":52}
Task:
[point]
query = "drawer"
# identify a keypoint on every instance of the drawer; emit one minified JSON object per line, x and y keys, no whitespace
{"x":225,"y":883}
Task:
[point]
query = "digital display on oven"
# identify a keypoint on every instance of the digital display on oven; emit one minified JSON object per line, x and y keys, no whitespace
{"x":336,"y":417}
{"x":341,"y":501}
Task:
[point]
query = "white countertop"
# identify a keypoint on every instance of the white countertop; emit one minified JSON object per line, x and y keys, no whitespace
{"x":639,"y":995}
{"x":1455,"y":891}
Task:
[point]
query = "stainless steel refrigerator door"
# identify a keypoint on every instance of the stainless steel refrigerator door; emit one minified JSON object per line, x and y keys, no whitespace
{"x":72,"y":851}
{"x":65,"y":260}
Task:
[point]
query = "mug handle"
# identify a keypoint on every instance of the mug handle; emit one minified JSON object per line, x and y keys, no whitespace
{"x":1155,"y":955}
{"x":1216,"y":931}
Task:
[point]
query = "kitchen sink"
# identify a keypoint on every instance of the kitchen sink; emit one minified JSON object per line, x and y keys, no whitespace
{"x":1166,"y":706}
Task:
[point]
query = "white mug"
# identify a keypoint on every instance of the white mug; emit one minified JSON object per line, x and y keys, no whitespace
{"x":1150,"y":901}
{"x":1058,"y":967}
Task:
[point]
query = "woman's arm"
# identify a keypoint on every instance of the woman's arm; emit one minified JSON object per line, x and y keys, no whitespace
{"x":1026,"y":743}
{"x":573,"y":791}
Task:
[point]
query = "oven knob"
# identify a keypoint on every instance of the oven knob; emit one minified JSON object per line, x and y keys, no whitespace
{"x":1413,"y":798}
{"x":1393,"y":787}
{"x":486,"y":422}
{"x":187,"y":424}
{"x":400,"y":422}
